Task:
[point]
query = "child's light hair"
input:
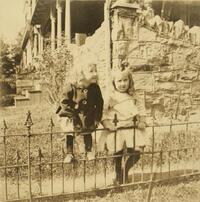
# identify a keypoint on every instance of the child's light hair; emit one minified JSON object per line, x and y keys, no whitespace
{"x":124,"y":73}
{"x":81,"y":68}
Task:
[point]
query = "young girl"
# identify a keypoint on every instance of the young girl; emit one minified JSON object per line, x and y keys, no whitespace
{"x":123,"y":104}
{"x":82,"y":106}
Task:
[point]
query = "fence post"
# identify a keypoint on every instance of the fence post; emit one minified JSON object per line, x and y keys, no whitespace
{"x":40,"y":156}
{"x":28,"y":124}
{"x":51,"y":152}
{"x":169,"y":163}
{"x":152,"y":158}
{"x":95,"y":159}
{"x":142,"y":162}
{"x":124,"y":159}
{"x":187,"y":118}
{"x":17,"y":157}
{"x":171,"y":123}
{"x":185,"y":158}
{"x":115,"y":121}
{"x":134,"y":131}
{"x":105,"y":161}
{"x":5,"y":157}
{"x":63,"y":172}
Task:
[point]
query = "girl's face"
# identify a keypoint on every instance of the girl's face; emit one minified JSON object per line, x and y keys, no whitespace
{"x":91,"y":73}
{"x":122,"y":83}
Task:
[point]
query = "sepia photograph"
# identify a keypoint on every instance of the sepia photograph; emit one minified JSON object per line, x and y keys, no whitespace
{"x":99,"y":100}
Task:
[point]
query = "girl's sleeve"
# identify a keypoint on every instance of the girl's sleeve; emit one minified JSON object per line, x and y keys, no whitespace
{"x":140,"y":103}
{"x":108,"y":108}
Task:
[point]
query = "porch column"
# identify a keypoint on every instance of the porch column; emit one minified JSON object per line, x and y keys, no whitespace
{"x":53,"y":28}
{"x":35,"y":42}
{"x":41,"y":43}
{"x":25,"y":58}
{"x":39,"y":38}
{"x":59,"y":21}
{"x":67,"y":21}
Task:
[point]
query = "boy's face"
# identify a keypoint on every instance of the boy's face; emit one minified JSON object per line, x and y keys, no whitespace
{"x":91,"y":73}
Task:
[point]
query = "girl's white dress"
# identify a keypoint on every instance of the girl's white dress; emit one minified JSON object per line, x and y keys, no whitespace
{"x":125,"y":107}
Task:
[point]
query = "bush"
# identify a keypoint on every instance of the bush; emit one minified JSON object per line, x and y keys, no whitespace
{"x":7,"y":87}
{"x":7,"y":100}
{"x":54,"y":68}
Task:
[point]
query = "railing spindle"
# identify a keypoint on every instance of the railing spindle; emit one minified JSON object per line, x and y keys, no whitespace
{"x":84,"y":173}
{"x":115,"y":121}
{"x":51,"y":152}
{"x":28,"y":124}
{"x":142,"y":164}
{"x":185,"y":159}
{"x":124,"y":159}
{"x":95,"y":159}
{"x":169,"y":164}
{"x":17,"y":157}
{"x":63,"y":171}
{"x":134,"y":133}
{"x":105,"y":163}
{"x":5,"y":158}
{"x":40,"y":156}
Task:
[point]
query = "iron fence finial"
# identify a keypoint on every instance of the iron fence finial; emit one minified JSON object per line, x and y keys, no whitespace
{"x":115,"y":120}
{"x":5,"y":127}
{"x":171,"y":116}
{"x":63,"y":151}
{"x":17,"y":156}
{"x":124,"y":148}
{"x":40,"y":155}
{"x":51,"y":123}
{"x":28,"y":122}
{"x":105,"y":148}
{"x":134,"y":120}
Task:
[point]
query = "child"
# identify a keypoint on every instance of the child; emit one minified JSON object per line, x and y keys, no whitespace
{"x":82,"y":105}
{"x":122,"y":102}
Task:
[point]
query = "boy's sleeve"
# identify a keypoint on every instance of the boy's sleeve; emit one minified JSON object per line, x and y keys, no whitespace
{"x":58,"y":109}
{"x":64,"y":109}
{"x":66,"y":92}
{"x":99,"y":104}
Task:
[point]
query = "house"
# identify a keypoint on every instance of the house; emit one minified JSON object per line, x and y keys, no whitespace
{"x":171,"y":10}
{"x":57,"y":18}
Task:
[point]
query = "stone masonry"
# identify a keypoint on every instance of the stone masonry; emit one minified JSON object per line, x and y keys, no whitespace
{"x":163,"y":56}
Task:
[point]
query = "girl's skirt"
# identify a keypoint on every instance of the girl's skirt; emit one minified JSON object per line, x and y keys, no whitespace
{"x":116,"y":141}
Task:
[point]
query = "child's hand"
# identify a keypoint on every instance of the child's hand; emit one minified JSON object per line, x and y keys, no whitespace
{"x":112,"y":127}
{"x":108,"y":125}
{"x":141,"y":125}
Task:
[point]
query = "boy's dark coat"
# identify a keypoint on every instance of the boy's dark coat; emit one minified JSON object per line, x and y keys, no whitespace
{"x":83,"y":105}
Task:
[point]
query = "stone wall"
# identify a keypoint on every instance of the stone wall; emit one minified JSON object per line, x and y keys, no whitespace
{"x":165,"y":64}
{"x":94,"y":51}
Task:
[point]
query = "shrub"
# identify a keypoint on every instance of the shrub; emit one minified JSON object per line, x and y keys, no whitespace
{"x":54,"y":68}
{"x":7,"y":100}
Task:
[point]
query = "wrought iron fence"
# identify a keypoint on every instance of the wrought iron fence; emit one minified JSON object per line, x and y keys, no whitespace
{"x":32,"y":165}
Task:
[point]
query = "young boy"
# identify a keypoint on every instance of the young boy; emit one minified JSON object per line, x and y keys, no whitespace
{"x":82,"y":105}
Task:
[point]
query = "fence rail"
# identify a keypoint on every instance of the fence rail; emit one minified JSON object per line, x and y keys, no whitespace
{"x":32,"y":165}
